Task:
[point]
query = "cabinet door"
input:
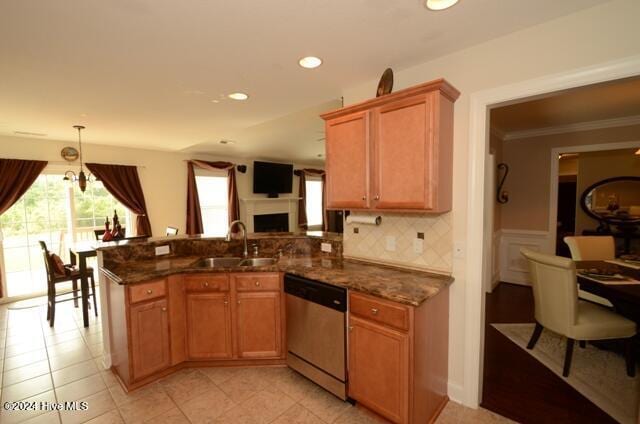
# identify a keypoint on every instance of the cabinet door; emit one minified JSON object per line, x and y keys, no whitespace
{"x":403,"y":152}
{"x":259,"y":321}
{"x":379,"y":369}
{"x":149,"y":338}
{"x":209,"y":326}
{"x":347,"y":162}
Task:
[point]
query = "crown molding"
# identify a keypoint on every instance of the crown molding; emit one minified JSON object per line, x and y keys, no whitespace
{"x":569,"y":128}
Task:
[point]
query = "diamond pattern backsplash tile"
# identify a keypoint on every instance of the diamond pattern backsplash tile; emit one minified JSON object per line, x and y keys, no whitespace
{"x":370,"y":243}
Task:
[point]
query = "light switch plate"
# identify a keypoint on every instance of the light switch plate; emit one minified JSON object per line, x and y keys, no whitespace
{"x":325,"y":247}
{"x":163,"y":250}
{"x":390,"y":244}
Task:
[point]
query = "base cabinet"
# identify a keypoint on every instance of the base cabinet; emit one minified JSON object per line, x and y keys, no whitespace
{"x":398,"y":357}
{"x":150,"y":350}
{"x":209,"y":326}
{"x":259,"y":325}
{"x":379,"y":368}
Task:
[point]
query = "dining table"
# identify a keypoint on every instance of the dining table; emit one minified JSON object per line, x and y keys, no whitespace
{"x":79,"y":252}
{"x":624,"y":295}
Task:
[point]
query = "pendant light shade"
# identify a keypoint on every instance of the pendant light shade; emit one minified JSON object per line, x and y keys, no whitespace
{"x":81,"y":178}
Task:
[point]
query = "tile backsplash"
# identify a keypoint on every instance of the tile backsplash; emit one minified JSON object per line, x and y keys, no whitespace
{"x":371,"y":242}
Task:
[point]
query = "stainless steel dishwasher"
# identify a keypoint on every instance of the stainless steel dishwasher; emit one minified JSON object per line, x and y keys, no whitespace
{"x":316,"y":328}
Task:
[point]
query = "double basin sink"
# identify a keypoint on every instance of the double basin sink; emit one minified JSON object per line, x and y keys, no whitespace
{"x":232,"y":262}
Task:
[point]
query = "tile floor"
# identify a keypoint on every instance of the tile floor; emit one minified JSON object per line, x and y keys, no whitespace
{"x":39,"y":364}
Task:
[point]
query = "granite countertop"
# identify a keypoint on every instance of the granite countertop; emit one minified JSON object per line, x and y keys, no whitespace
{"x":400,"y":285}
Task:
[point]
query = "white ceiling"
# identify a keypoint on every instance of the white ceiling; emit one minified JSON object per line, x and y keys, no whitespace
{"x":144,"y":72}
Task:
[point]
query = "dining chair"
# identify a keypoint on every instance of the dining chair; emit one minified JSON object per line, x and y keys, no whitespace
{"x":172,"y":231}
{"x":60,"y":273}
{"x":592,"y":248}
{"x":557,"y":308}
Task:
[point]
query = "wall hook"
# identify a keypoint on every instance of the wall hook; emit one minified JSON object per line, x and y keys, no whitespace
{"x":502,"y":196}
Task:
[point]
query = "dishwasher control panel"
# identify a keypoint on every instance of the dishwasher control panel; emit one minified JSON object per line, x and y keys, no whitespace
{"x":314,"y":291}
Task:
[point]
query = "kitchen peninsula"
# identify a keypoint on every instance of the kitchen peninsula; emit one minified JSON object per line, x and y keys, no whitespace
{"x":176,"y":310}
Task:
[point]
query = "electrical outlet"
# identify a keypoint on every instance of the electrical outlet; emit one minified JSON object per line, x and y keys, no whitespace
{"x":325,"y":247}
{"x":459,"y":249}
{"x":418,"y":245}
{"x":163,"y":250}
{"x":390,"y":244}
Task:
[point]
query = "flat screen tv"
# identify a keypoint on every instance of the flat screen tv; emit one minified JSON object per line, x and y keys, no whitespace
{"x":272,"y":178}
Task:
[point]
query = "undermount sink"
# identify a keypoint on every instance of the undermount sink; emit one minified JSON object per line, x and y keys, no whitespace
{"x":227,"y":262}
{"x":257,"y":262}
{"x":217,"y":262}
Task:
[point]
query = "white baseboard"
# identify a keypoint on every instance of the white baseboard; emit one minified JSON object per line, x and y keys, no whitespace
{"x":455,"y":392}
{"x":513,"y":266}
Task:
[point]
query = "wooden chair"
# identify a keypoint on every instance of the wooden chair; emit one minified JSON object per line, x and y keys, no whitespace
{"x":557,"y":308}
{"x":592,"y":248}
{"x":53,"y":278}
{"x":172,"y":231}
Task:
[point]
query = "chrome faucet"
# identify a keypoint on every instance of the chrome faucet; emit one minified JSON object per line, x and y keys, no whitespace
{"x":245,"y":252}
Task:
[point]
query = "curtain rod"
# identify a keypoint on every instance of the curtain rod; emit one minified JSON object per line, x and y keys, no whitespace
{"x":60,"y":162}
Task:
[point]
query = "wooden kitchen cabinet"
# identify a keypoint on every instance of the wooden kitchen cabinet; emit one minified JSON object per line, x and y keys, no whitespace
{"x":398,"y":356}
{"x":259,"y":324}
{"x":394,"y":152}
{"x":348,"y":154}
{"x":209,"y":326}
{"x":150,"y":349}
{"x":379,"y":368}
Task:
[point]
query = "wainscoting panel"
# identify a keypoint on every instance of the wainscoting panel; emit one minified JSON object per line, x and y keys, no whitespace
{"x":513,"y":266}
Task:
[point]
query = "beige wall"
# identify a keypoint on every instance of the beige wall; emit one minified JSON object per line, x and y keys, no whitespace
{"x":597,"y":166}
{"x":604,"y":33}
{"x":163,"y":175}
{"x":530,"y":167}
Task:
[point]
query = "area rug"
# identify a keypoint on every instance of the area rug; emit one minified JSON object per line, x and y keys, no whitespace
{"x":597,"y":374}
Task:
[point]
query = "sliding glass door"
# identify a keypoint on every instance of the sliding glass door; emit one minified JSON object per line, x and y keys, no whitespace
{"x":58,"y":213}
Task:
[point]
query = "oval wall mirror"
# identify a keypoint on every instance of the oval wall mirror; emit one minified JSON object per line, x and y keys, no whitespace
{"x":613,"y":200}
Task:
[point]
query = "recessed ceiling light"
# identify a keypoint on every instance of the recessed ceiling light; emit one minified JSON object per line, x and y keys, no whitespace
{"x":439,"y":4}
{"x":238,"y":96}
{"x":310,"y":62}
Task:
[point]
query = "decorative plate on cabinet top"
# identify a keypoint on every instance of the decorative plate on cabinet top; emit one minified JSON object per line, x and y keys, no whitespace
{"x":69,"y":154}
{"x":386,"y":83}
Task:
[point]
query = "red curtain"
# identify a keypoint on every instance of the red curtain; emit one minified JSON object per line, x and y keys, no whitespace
{"x":123,"y":183}
{"x":16,"y":176}
{"x":302,"y":193}
{"x":194,"y":214}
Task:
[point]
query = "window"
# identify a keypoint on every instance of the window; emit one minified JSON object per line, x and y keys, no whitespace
{"x":314,"y":203}
{"x":214,"y":202}
{"x":57,"y":213}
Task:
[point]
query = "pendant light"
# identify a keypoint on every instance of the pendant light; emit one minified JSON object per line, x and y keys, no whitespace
{"x":81,"y":178}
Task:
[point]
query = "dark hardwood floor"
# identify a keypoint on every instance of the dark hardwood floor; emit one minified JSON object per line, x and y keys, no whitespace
{"x":515,"y":384}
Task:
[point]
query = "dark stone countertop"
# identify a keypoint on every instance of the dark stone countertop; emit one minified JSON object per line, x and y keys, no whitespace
{"x":396,"y":284}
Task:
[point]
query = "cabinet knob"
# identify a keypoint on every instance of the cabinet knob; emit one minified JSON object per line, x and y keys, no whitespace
{"x":257,"y":283}
{"x":238,"y":302}
{"x":374,"y":311}
{"x":350,"y":328}
{"x":164,"y":309}
{"x":364,"y":197}
{"x":206,"y":284}
{"x":226,"y":302}
{"x":149,"y":291}
{"x":377,"y":197}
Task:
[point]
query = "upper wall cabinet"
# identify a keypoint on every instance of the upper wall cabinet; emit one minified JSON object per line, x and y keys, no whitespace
{"x":393,"y":152}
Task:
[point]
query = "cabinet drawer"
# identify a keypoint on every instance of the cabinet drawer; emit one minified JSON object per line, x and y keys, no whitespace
{"x":219,"y":282}
{"x":384,"y":312}
{"x":257,"y":282}
{"x":147,"y":291}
